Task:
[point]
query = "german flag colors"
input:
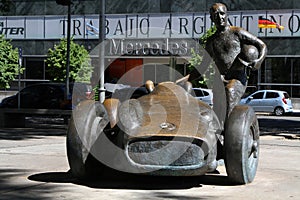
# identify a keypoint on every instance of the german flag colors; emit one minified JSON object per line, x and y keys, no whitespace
{"x":266,"y":23}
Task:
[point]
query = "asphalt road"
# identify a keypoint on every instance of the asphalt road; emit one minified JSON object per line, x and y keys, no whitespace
{"x":33,"y":165}
{"x":284,"y":126}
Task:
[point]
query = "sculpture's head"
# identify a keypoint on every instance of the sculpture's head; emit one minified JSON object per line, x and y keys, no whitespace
{"x":218,"y":14}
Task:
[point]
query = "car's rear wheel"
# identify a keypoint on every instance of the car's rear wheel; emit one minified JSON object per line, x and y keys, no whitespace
{"x":86,"y":124}
{"x":279,"y":111}
{"x":241,"y":144}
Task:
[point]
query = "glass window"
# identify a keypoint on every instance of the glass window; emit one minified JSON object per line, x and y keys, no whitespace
{"x":281,"y":73}
{"x":271,"y":95}
{"x":205,"y":93}
{"x":198,"y":93}
{"x":149,"y":72}
{"x":296,"y":70}
{"x":286,"y":95}
{"x":258,"y":95}
{"x":47,"y":7}
{"x":276,"y":70}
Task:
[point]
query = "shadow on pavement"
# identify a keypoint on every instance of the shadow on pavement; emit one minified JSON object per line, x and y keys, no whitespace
{"x":29,"y":133}
{"x":136,"y":182}
{"x":12,"y":186}
{"x":289,"y":129}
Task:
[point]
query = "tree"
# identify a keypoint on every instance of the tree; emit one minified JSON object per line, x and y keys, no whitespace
{"x":207,"y":35}
{"x":205,"y":79}
{"x":80,"y":63}
{"x":9,"y":62}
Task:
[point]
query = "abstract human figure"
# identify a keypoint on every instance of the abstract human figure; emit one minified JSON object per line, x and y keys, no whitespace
{"x":234,"y":50}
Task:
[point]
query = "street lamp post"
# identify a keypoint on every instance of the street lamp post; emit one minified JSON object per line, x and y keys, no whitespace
{"x":67,"y":3}
{"x":102,"y":50}
{"x":68,"y":52}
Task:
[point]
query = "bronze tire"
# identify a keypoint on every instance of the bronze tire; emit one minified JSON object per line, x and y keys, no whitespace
{"x":241,"y":145}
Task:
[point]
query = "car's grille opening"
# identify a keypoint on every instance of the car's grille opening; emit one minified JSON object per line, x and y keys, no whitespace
{"x":165,"y":152}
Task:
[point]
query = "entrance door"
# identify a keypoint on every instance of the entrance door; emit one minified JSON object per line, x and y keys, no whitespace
{"x":127,"y":71}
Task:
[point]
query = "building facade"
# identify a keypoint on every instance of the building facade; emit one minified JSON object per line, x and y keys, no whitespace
{"x":175,"y":25}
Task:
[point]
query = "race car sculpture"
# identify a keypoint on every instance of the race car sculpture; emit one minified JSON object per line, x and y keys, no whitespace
{"x":165,"y":131}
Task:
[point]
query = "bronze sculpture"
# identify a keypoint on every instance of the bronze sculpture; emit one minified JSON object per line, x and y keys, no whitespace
{"x":166,"y":131}
{"x":234,"y":50}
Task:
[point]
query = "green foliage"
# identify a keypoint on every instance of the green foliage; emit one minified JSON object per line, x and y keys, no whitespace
{"x":207,"y":35}
{"x":96,"y":92}
{"x":9,"y":62}
{"x":196,"y":59}
{"x":80,"y":63}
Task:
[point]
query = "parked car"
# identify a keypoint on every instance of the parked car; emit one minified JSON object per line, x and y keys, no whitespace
{"x":205,"y":95}
{"x":272,"y":101}
{"x":42,"y":95}
{"x":47,"y":96}
{"x":124,"y":92}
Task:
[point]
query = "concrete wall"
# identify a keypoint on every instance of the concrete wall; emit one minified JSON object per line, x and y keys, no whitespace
{"x":296,"y":103}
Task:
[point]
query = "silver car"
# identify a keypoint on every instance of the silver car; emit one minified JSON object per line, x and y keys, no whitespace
{"x":273,"y":101}
{"x":205,"y":95}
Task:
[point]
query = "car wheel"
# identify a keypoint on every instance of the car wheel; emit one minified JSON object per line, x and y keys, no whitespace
{"x":241,"y":143}
{"x":86,"y":124}
{"x":279,"y":111}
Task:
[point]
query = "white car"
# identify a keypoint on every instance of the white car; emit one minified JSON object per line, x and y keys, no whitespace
{"x":205,"y":95}
{"x":272,"y":101}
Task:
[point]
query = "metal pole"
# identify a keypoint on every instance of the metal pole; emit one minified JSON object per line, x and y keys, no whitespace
{"x":19,"y":78}
{"x":102,"y":50}
{"x":68,"y":52}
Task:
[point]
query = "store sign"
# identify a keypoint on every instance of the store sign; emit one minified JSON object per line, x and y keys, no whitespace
{"x":277,"y":23}
{"x":150,"y":47}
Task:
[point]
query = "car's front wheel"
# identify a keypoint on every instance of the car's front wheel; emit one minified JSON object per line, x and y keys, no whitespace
{"x":241,"y":143}
{"x":86,"y":124}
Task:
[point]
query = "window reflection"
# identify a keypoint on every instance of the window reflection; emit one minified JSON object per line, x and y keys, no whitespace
{"x":281,"y":73}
